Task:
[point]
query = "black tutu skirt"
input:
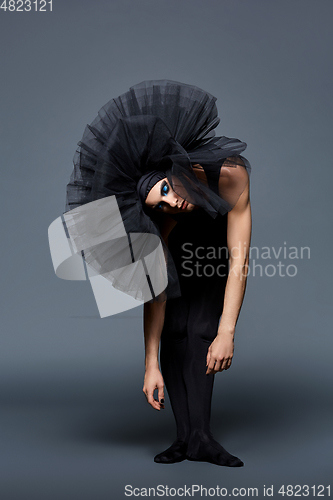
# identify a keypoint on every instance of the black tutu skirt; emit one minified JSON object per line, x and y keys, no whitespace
{"x":156,"y":125}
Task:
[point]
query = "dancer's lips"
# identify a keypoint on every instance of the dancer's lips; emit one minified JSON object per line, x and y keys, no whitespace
{"x":184,"y":205}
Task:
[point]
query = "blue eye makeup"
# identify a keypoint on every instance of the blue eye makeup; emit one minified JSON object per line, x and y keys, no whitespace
{"x":165,"y":188}
{"x":164,"y":192}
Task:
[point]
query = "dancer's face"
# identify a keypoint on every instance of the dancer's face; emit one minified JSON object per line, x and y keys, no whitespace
{"x":163,"y":198}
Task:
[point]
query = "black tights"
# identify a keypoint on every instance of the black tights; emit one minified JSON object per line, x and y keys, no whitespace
{"x":191,"y":324}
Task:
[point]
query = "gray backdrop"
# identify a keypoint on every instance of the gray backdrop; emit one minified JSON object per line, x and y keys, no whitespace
{"x":74,"y":421}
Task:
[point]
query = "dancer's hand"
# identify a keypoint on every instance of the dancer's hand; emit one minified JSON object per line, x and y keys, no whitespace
{"x":154,"y":380}
{"x":220,"y":354}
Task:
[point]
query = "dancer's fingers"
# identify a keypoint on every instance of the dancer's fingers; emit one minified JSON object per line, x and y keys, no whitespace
{"x":229,"y":363}
{"x":153,"y":380}
{"x":150,"y":398}
{"x":210,"y":367}
{"x":217,"y":366}
{"x":224,"y":363}
{"x":161,"y":395}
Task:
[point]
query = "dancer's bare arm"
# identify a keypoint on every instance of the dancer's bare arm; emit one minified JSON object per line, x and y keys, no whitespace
{"x":220,"y":352}
{"x":153,"y":324}
{"x":154,"y":314}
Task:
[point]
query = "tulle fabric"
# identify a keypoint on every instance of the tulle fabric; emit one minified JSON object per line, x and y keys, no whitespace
{"x":156,"y":125}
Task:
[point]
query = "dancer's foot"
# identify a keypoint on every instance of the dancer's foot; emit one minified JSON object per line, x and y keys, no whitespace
{"x":209,"y":450}
{"x":176,"y":453}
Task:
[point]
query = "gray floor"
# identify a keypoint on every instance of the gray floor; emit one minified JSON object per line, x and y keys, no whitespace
{"x":79,"y":427}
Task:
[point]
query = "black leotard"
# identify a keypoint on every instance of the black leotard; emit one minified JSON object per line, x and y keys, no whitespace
{"x":191,"y":323}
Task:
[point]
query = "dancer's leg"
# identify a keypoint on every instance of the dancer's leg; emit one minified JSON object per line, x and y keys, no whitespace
{"x":202,"y":327}
{"x":173,"y":349}
{"x":190,"y":326}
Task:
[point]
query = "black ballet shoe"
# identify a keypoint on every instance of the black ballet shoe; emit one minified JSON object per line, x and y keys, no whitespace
{"x":176,"y":453}
{"x":213,"y":453}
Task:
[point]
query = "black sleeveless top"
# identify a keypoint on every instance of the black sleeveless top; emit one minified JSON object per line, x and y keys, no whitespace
{"x":198,"y":245}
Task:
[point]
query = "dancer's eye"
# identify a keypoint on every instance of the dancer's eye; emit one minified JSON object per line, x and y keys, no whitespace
{"x":164,"y":192}
{"x":164,"y":189}
{"x":160,"y":205}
